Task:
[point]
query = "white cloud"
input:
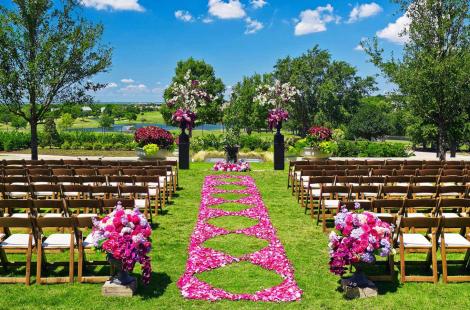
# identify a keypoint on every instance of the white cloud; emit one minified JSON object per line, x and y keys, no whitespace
{"x":184,"y":16}
{"x":363,"y":11}
{"x":207,"y":20}
{"x":134,"y":88}
{"x":312,"y":21}
{"x":127,"y":81}
{"x":394,"y":31}
{"x":359,"y":48}
{"x":118,"y":5}
{"x":253,"y":26}
{"x":258,"y":4}
{"x":232,"y":9}
{"x":111,"y":85}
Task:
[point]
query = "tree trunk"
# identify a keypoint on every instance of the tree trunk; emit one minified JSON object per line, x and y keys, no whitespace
{"x":441,"y":147}
{"x":34,"y":139}
{"x":453,"y":149}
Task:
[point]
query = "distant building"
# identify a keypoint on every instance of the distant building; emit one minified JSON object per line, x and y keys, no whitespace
{"x":86,"y":109}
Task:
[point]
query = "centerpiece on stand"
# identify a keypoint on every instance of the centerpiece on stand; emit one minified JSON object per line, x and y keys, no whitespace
{"x":187,"y":97}
{"x":124,"y":235}
{"x":154,"y":143}
{"x":320,"y":144}
{"x":231,"y":147}
{"x":358,"y":238}
{"x":277,"y":97}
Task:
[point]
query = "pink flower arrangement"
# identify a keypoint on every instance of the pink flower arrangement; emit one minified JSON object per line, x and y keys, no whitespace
{"x":154,"y":135}
{"x":185,"y":116}
{"x":125,"y":235}
{"x":201,"y":259}
{"x":358,"y":238}
{"x":240,"y":166}
{"x":277,"y":116}
{"x":320,"y":134}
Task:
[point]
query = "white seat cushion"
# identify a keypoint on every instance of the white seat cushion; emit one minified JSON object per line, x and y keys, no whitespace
{"x":455,"y":240}
{"x":57,"y":241}
{"x":331,"y":204}
{"x":390,"y":215}
{"x":20,"y":215}
{"x":17,"y":194}
{"x":416,"y":215}
{"x":315,"y":192}
{"x":416,"y":240}
{"x":51,"y":215}
{"x":305,"y":178}
{"x":140,"y":203}
{"x":16,"y":241}
{"x":450,"y":215}
{"x":153,"y":191}
{"x":44,"y":194}
{"x":88,"y":215}
{"x":71,"y":194}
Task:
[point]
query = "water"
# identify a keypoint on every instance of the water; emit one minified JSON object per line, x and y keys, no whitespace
{"x":130,"y":128}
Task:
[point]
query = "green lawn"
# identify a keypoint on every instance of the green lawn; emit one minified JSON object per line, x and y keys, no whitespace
{"x":305,"y":244}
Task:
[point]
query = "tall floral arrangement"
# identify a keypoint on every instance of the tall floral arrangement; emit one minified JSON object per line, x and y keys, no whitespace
{"x":187,"y":97}
{"x":359,"y":237}
{"x":125,"y":236}
{"x":277,"y":97}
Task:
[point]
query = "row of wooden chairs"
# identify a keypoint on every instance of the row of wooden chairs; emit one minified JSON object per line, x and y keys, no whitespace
{"x":68,"y":235}
{"x":375,"y":162}
{"x":425,"y":234}
{"x":143,"y":194}
{"x":85,"y":162}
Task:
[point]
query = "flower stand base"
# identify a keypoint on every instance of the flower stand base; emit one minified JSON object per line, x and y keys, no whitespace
{"x":353,"y":290}
{"x":111,"y":289}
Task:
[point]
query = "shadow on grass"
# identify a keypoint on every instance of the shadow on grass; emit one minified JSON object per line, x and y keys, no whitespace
{"x":157,"y":287}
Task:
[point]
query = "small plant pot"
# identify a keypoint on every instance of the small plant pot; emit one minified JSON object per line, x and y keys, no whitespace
{"x":315,"y":153}
{"x":162,"y":154}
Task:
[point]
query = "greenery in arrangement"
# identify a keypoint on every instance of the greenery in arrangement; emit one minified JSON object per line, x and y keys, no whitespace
{"x":31,"y":68}
{"x":151,"y":149}
{"x":433,"y":74}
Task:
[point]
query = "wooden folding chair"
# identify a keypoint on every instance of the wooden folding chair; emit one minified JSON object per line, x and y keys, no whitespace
{"x":93,"y":180}
{"x":429,"y":180}
{"x":76,"y":191}
{"x":16,"y":191}
{"x":46,"y":191}
{"x":387,"y":209}
{"x":373,"y":180}
{"x":49,"y":208}
{"x":174,"y":166}
{"x":16,"y":180}
{"x":432,"y":172}
{"x":39,"y":171}
{"x":86,"y":245}
{"x":394,"y":192}
{"x":42,"y":179}
{"x":14,"y":172}
{"x":291,"y":170}
{"x":104,"y":192}
{"x":109,"y":172}
{"x":419,"y":207}
{"x":330,"y":201}
{"x":452,"y":191}
{"x":165,"y":179}
{"x":85,"y":172}
{"x":157,"y":190}
{"x":382,"y":172}
{"x":114,"y":180}
{"x":56,"y":242}
{"x":452,"y":180}
{"x":314,"y":185}
{"x":398,"y":180}
{"x":16,"y":208}
{"x":304,"y":184}
{"x":360,"y":193}
{"x":455,"y":242}
{"x":423,"y":192}
{"x":416,"y":241}
{"x":450,"y":208}
{"x":108,"y":205}
{"x":141,"y":197}
{"x":62,"y":172}
{"x":16,"y":243}
{"x":84,"y":208}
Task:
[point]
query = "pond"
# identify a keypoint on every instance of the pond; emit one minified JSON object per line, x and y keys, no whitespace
{"x":131,"y":128}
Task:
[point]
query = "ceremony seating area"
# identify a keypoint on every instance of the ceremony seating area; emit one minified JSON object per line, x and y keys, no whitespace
{"x":47,"y":207}
{"x":427,"y":201}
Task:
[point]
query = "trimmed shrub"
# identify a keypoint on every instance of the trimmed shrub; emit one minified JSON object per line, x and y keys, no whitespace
{"x":14,"y":140}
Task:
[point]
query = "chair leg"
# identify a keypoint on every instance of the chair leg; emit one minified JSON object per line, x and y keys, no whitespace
{"x":28,"y":265}
{"x":39,"y":263}
{"x":435,"y":274}
{"x":444,"y":262}
{"x":71,"y":258}
{"x":402,"y":261}
{"x":80,"y":262}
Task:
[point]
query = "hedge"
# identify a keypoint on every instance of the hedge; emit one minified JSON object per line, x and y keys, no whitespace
{"x":14,"y":140}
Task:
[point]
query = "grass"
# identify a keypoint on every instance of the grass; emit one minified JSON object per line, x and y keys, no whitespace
{"x":305,"y":244}
{"x":236,"y":244}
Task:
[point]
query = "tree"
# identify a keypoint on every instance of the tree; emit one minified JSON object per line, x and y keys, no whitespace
{"x":18,"y":122}
{"x":51,"y":137}
{"x":66,"y":121}
{"x":242,"y":111}
{"x":48,"y":53}
{"x":106,"y":121}
{"x":330,"y":90}
{"x":200,"y":70}
{"x":371,"y":121}
{"x":434,"y":71}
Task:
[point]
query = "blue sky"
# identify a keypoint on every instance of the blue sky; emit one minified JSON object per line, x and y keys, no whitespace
{"x":237,"y":37}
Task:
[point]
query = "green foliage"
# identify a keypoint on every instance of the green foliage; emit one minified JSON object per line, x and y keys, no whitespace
{"x":48,"y":53}
{"x":66,"y":121}
{"x":106,"y":121}
{"x":18,"y":122}
{"x":151,"y":149}
{"x":14,"y":140}
{"x":50,"y":136}
{"x":330,"y":90}
{"x":434,"y":71}
{"x":371,"y":121}
{"x":359,"y":148}
{"x":77,"y":140}
{"x":212,"y":142}
{"x":209,"y":114}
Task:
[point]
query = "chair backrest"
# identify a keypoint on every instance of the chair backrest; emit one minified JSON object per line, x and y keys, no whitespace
{"x":16,"y":222}
{"x":85,"y":171}
{"x":387,"y":191}
{"x":84,"y":222}
{"x":419,"y":222}
{"x":110,"y":204}
{"x":424,"y":172}
{"x":382,"y":172}
{"x":453,"y":172}
{"x":417,"y":191}
{"x":311,"y":173}
{"x":388,"y":205}
{"x":159,"y":171}
{"x":109,"y":171}
{"x":373,"y":180}
{"x":322,"y":180}
{"x":14,"y":172}
{"x":42,"y":179}
{"x":74,"y":206}
{"x":136,"y":190}
{"x":18,"y":180}
{"x":406,"y":172}
{"x":55,"y":222}
{"x":54,"y":189}
{"x":395,"y":180}
{"x":426,"y":205}
{"x":453,"y":204}
{"x":459,"y":190}
{"x":360,"y":190}
{"x":134,"y":172}
{"x":68,"y":179}
{"x":347,"y":180}
{"x":456,"y":222}
{"x":39,"y":171}
{"x":62,"y":172}
{"x":49,"y":205}
{"x":351,"y":205}
{"x":10,"y":189}
{"x":335,"y":190}
{"x":11,"y":206}
{"x":76,"y":188}
{"x":452,"y":179}
{"x":104,"y":189}
{"x":428,"y":180}
{"x":359,"y":172}
{"x":93,"y":180}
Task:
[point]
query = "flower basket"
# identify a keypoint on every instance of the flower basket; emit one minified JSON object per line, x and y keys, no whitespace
{"x":162,"y":154}
{"x":315,"y":153}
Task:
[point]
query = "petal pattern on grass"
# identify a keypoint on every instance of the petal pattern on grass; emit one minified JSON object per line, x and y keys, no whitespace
{"x":273,"y":257}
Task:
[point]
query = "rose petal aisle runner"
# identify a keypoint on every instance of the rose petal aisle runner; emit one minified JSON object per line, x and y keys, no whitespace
{"x":201,"y":259}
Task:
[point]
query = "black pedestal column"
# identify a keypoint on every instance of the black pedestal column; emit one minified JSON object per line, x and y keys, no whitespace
{"x":183,"y":148}
{"x":278,"y":149}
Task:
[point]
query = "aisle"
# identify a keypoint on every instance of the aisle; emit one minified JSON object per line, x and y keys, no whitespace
{"x":220,"y":194}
